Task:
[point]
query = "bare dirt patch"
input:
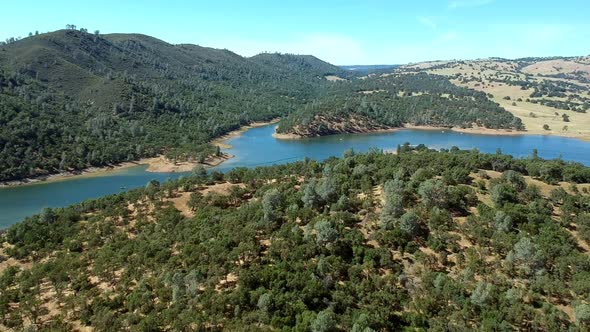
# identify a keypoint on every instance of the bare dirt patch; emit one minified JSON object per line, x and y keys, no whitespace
{"x":334,"y":78}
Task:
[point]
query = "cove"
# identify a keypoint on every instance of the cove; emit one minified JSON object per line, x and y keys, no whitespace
{"x":256,"y":147}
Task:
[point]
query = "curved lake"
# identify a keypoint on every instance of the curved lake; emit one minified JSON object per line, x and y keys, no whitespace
{"x":257,"y":147}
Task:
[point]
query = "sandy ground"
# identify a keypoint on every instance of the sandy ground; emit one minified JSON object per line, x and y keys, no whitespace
{"x":286,"y":136}
{"x":163,"y":165}
{"x":334,"y":78}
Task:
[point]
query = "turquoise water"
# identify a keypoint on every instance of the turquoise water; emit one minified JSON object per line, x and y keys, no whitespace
{"x":256,"y":147}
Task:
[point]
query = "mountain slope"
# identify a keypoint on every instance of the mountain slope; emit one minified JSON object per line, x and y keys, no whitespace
{"x":119,"y":97}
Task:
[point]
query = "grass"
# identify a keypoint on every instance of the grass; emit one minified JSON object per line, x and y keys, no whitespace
{"x":534,"y":116}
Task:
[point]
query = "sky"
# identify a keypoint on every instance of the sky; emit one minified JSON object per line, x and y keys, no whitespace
{"x":341,"y":32}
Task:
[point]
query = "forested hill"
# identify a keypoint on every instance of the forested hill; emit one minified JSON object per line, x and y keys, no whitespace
{"x":70,"y":99}
{"x":392,"y":100}
{"x":414,"y":241}
{"x":304,"y":64}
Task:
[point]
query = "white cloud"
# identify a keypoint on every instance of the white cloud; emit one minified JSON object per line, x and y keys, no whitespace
{"x":468,"y":3}
{"x":427,"y":21}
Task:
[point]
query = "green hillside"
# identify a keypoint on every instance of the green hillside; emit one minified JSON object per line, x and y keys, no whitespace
{"x":71,"y":99}
{"x":393,"y":100}
{"x":414,"y":241}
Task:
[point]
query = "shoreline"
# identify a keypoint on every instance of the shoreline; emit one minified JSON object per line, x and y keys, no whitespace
{"x":220,"y":141}
{"x":160,"y":164}
{"x":154,"y":165}
{"x":472,"y":131}
{"x":157,"y":164}
{"x":292,"y":136}
{"x":88,"y":172}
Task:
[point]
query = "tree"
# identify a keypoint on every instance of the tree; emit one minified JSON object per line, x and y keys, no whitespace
{"x":565,"y":117}
{"x":47,"y":216}
{"x":393,"y":207}
{"x":515,"y":179}
{"x":502,"y":193}
{"x":325,"y":233}
{"x":199,"y":171}
{"x":482,"y":293}
{"x":410,"y":223}
{"x":271,"y":202}
{"x":546,"y":127}
{"x":152,"y":187}
{"x":310,"y":197}
{"x":327,"y":189}
{"x":502,"y":221}
{"x":582,"y":313}
{"x":439,"y":219}
{"x":433,"y":193}
{"x":526,"y":256}
{"x":324,"y":322}
{"x":265,"y":302}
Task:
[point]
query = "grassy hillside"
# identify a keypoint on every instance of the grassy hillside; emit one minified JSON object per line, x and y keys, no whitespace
{"x":418,"y":240}
{"x":70,"y":99}
{"x":540,"y":91}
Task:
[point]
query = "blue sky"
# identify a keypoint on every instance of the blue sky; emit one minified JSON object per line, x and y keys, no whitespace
{"x":341,"y":32}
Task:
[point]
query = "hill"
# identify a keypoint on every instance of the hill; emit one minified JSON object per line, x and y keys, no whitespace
{"x":549,"y":95}
{"x":377,"y":102}
{"x":298,"y":64}
{"x":418,"y":240}
{"x":71,"y":100}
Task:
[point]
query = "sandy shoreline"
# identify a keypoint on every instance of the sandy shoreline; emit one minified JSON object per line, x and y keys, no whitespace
{"x":163,"y":165}
{"x":478,"y":130}
{"x":156,"y":164}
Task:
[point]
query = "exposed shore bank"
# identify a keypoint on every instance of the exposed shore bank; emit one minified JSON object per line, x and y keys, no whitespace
{"x":159,"y":164}
{"x":155,"y":165}
{"x":477,"y":131}
{"x":291,"y":136}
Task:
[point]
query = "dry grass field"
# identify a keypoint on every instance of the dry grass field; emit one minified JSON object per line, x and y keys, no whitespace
{"x":482,"y":75}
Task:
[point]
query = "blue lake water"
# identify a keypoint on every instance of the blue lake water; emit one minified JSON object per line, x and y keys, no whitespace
{"x":257,"y":147}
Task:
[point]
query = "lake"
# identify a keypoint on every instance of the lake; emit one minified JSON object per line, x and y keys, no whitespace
{"x":257,"y":147}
